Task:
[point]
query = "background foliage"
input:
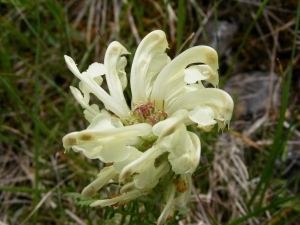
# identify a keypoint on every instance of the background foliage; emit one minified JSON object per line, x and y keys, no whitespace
{"x":258,"y":45}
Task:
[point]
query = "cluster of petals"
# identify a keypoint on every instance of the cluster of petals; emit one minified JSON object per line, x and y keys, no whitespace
{"x":147,"y":143}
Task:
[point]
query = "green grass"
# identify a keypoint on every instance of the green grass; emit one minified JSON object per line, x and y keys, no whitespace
{"x":37,"y":110}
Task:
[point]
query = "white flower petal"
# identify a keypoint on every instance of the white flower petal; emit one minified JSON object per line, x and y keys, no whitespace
{"x":114,"y":150}
{"x":203,"y":115}
{"x":194,"y":74}
{"x":173,"y":90}
{"x":193,"y":87}
{"x":175,"y":70}
{"x":114,"y":61}
{"x":124,"y":197}
{"x":183,"y":148}
{"x":169,"y":206}
{"x":107,"y":150}
{"x":134,"y":154}
{"x":101,"y":122}
{"x":91,"y":150}
{"x":180,"y":164}
{"x":145,"y":174}
{"x":176,"y":142}
{"x":161,"y":170}
{"x":90,"y":116}
{"x":131,"y":168}
{"x":96,"y":70}
{"x":215,"y":98}
{"x":151,"y":51}
{"x":128,"y":187}
{"x":201,"y":72}
{"x":104,"y":176}
{"x":168,"y":126}
{"x":116,"y":106}
{"x":148,"y":174}
{"x":195,"y":152}
{"x":109,"y":145}
{"x":78,"y":96}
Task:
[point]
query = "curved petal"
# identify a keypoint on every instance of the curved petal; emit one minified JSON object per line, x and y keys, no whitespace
{"x":95,"y":71}
{"x":134,"y":154}
{"x":183,"y":148}
{"x":169,"y":206}
{"x":104,"y":176}
{"x":174,"y":89}
{"x":145,"y":174}
{"x":132,"y":167}
{"x":121,"y":72}
{"x":111,"y":104}
{"x":218,"y":100}
{"x":109,"y":145}
{"x":161,"y":170}
{"x":114,"y":150}
{"x":180,"y":164}
{"x":175,"y":70}
{"x":195,"y":152}
{"x":124,"y":197}
{"x":169,"y":126}
{"x":201,"y":72}
{"x":148,"y":61}
{"x":204,"y":116}
{"x":107,"y":150}
{"x":89,"y":115}
{"x":76,"y":138}
{"x":115,"y":62}
{"x":80,"y":99}
{"x":128,"y":187}
{"x":193,"y":87}
{"x":102,"y":122}
{"x":148,"y":173}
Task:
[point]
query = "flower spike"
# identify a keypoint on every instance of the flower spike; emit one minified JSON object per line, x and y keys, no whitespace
{"x":147,"y":145}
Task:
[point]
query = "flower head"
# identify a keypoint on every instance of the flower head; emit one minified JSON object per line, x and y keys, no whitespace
{"x":147,"y":144}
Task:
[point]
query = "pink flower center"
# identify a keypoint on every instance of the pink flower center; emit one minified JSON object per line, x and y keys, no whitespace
{"x":147,"y":113}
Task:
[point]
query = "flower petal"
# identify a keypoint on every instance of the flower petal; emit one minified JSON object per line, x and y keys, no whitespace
{"x":134,"y":154}
{"x":78,"y":96}
{"x":149,"y":59}
{"x":201,"y":72}
{"x":183,"y":148}
{"x":116,"y":106}
{"x":169,"y":206}
{"x":104,"y":176}
{"x":124,"y":197}
{"x":218,"y":100}
{"x":102,"y":122}
{"x":109,"y":145}
{"x":161,"y":170}
{"x":195,"y":152}
{"x":168,"y":126}
{"x":95,"y":70}
{"x":203,"y":115}
{"x":115,"y":62}
{"x":131,"y":168}
{"x":175,"y":70}
{"x":147,"y":174}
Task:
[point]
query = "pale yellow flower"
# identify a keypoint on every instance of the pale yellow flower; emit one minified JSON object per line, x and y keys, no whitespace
{"x":147,"y":144}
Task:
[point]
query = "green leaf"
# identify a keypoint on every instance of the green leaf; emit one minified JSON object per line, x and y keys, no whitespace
{"x":202,"y":170}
